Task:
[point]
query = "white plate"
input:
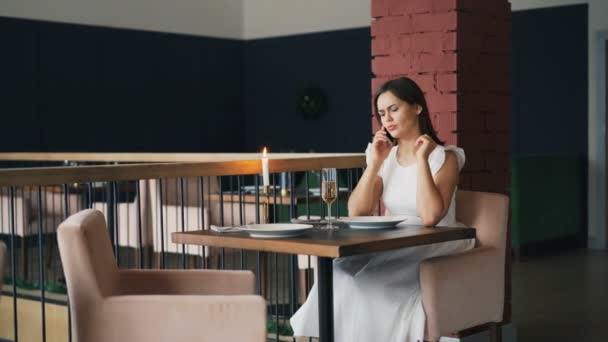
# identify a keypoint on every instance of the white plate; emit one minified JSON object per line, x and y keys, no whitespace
{"x":275,"y":230}
{"x":373,"y":222}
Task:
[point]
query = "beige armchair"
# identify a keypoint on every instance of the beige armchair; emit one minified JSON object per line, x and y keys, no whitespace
{"x":108,"y":304}
{"x":467,"y":290}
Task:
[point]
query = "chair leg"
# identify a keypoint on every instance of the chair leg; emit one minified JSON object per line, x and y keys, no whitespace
{"x":495,"y":332}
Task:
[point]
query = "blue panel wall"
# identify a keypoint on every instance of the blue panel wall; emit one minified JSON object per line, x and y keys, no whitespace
{"x":67,"y":87}
{"x":277,"y":69}
{"x":79,"y":88}
{"x":549,"y":128}
{"x":18,"y":83}
{"x":550,"y":81}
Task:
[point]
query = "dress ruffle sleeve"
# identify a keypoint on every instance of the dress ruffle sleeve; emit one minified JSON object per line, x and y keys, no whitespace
{"x":437,"y":157}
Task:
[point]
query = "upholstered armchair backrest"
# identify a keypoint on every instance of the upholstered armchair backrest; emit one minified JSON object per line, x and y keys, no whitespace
{"x":488,"y":213}
{"x":88,"y":261}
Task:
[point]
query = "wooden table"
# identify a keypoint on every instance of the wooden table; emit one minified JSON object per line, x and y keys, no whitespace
{"x":327,"y":245}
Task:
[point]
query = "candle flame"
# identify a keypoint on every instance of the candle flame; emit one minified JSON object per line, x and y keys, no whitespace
{"x":264,"y":153}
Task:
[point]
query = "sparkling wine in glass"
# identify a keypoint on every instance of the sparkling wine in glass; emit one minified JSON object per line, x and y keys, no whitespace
{"x":329,"y":192}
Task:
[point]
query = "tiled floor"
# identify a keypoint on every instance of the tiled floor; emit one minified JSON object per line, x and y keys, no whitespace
{"x":561,"y":297}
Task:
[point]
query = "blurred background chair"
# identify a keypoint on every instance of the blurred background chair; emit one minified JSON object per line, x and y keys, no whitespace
{"x":133,"y":217}
{"x":26,"y":215}
{"x":466,"y":290}
{"x":108,"y":304}
{"x":190,"y":204}
{"x":166,"y":203}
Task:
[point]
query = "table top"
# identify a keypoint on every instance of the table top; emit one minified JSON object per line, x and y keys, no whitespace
{"x":329,"y":243}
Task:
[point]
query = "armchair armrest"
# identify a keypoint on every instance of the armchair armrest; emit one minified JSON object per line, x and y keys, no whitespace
{"x":184,"y":282}
{"x":465,"y":289}
{"x":154,"y":318}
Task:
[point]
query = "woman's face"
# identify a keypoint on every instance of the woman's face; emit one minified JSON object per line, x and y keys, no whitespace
{"x":397,"y":116}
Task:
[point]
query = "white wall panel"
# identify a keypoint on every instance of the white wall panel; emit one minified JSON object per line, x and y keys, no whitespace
{"x":212,"y":18}
{"x":271,"y":18}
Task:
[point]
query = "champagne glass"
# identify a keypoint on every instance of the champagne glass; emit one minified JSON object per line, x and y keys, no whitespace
{"x":329,"y":192}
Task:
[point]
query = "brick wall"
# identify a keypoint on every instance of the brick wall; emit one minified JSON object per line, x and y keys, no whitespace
{"x":459,"y":52}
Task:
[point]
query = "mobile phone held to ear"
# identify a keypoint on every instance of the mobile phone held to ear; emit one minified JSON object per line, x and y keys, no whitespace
{"x":389,"y":136}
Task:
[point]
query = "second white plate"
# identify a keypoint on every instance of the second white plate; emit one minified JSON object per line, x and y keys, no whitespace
{"x":275,"y":230}
{"x":373,"y":222}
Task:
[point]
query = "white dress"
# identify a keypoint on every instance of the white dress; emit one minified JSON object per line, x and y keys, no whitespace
{"x":377,"y":296}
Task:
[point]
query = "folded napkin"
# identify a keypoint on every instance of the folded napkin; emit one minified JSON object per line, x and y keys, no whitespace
{"x":227,"y":229}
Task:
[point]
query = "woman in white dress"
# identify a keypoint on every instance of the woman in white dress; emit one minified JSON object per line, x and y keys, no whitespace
{"x":377,"y":296}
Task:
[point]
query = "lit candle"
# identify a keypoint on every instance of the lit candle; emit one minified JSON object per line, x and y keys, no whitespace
{"x":265,"y":175}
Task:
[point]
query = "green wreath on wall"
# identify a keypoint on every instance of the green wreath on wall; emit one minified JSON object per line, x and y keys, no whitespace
{"x":311,"y":102}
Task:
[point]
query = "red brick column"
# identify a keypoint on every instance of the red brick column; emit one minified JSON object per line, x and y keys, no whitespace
{"x":459,"y":52}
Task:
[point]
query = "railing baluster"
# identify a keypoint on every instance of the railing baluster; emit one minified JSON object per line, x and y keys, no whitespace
{"x":123,"y":197}
{"x":114,"y":219}
{"x":274,"y":192}
{"x":292,"y":259}
{"x":231,"y":192}
{"x":52,"y":267}
{"x":241,"y":217}
{"x":307,"y":271}
{"x":276,"y":291}
{"x":258,"y":272}
{"x":89,"y":195}
{"x":13,"y":262}
{"x":41,"y":264}
{"x":65,"y":216}
{"x":181,"y":181}
{"x":191,"y":259}
{"x":140,"y":242}
{"x":163,"y":260}
{"x":223,"y":252}
{"x":200,"y":199}
{"x":209,"y":204}
{"x":110,"y":213}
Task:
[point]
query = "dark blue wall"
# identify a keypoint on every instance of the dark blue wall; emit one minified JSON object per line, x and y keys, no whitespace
{"x":78,"y":88}
{"x":66,"y":87}
{"x":550,"y":81}
{"x":276,"y":71}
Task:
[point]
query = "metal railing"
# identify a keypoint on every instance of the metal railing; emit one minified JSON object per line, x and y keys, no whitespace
{"x":144,"y":201}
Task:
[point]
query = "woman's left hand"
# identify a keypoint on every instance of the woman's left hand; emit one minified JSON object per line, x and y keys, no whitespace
{"x":423,"y":147}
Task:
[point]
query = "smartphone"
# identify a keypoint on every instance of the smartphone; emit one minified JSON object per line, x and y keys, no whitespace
{"x":389,"y":136}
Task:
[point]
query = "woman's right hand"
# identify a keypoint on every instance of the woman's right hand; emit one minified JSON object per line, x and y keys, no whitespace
{"x":381,"y":146}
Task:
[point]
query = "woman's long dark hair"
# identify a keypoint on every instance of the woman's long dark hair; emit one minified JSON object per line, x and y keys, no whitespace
{"x":408,"y":91}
